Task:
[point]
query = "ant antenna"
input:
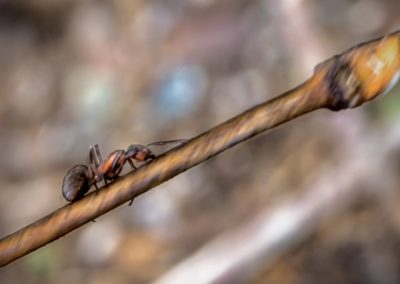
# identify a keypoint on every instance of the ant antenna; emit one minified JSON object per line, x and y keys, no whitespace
{"x":162,"y":143}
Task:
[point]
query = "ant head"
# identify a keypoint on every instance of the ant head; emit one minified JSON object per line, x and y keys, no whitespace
{"x":139,"y":152}
{"x":144,"y":155}
{"x":132,"y":149}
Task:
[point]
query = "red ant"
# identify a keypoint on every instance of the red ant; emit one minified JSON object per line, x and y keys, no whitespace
{"x":80,"y":178}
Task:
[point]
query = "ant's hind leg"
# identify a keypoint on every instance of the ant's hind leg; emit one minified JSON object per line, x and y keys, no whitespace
{"x":95,"y":156}
{"x":92,"y":157}
{"x":94,"y":152}
{"x":98,"y":154}
{"x":97,"y":188}
{"x":130,"y":203}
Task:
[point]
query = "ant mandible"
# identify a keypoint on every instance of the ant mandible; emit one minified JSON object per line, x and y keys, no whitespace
{"x":80,"y":178}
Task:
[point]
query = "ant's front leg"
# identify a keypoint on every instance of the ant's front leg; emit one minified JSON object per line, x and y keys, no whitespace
{"x":133,"y":168}
{"x":96,"y":186}
{"x":131,"y":164}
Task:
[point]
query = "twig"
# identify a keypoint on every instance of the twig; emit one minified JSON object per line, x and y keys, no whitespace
{"x":346,"y":80}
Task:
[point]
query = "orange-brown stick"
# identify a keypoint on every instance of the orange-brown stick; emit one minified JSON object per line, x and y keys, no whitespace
{"x":346,"y":80}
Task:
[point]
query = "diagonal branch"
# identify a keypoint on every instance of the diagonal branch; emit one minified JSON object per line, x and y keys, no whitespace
{"x":346,"y":80}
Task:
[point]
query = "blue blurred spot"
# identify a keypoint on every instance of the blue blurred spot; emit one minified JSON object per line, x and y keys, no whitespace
{"x":180,"y":91}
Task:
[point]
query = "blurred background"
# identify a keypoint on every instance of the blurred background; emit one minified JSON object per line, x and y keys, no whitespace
{"x":313,"y":201}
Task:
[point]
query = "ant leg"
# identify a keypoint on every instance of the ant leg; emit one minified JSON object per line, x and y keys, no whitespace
{"x":97,"y":188}
{"x":118,"y":159}
{"x":98,"y":154}
{"x":131,"y":163}
{"x":133,"y":168}
{"x":92,"y":172}
{"x":94,"y":158}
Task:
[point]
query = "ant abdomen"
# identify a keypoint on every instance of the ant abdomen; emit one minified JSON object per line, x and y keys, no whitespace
{"x":76,"y":183}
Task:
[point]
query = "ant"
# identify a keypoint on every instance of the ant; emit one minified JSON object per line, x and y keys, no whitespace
{"x":80,"y":178}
